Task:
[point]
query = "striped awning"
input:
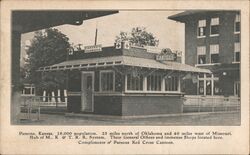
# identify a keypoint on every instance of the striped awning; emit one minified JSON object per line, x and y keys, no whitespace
{"x":123,"y":60}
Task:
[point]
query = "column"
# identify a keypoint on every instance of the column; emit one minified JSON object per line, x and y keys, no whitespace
{"x":66,"y":96}
{"x":44,"y":96}
{"x":212,"y":84}
{"x":53,"y":100}
{"x":58,"y":96}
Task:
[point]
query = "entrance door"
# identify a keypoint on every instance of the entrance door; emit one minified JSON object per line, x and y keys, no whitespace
{"x":87,"y":91}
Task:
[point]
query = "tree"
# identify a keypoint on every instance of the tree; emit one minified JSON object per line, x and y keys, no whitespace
{"x":138,"y":36}
{"x":47,"y":48}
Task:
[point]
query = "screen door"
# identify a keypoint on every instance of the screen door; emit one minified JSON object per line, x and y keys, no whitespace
{"x":87,"y":91}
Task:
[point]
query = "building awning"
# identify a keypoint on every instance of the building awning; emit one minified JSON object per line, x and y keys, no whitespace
{"x":123,"y":60}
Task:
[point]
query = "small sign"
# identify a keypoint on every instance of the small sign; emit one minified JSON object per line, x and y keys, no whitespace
{"x":93,"y":48}
{"x":166,"y":55}
{"x":153,"y":49}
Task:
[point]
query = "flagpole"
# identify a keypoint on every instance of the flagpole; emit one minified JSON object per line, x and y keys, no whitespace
{"x":96,"y":31}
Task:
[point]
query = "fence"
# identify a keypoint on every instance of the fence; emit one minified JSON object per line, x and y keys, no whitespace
{"x":45,"y":100}
{"x":211,"y":103}
{"x":33,"y":104}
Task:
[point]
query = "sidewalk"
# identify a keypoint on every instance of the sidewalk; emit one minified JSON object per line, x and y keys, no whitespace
{"x":201,"y":119}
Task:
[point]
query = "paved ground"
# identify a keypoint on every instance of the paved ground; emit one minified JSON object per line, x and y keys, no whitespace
{"x":202,"y":119}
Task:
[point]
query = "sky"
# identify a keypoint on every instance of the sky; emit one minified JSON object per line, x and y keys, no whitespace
{"x":169,"y":33}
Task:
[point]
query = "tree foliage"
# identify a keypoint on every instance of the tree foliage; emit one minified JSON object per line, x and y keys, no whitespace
{"x":138,"y":36}
{"x":47,"y":48}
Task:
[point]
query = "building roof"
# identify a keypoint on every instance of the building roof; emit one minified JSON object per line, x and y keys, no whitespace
{"x":181,"y":17}
{"x":123,"y":60}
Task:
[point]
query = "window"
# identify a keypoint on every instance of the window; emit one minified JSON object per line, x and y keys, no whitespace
{"x":201,"y":55}
{"x":217,"y":90}
{"x":154,"y":82}
{"x":208,"y":85}
{"x":201,"y":87}
{"x":214,"y":29}
{"x":237,"y":52}
{"x":237,"y":23}
{"x":107,"y":80}
{"x":214,"y":53}
{"x":171,"y":83}
{"x":28,"y":90}
{"x":134,"y":83}
{"x":201,"y":28}
{"x":237,"y":88}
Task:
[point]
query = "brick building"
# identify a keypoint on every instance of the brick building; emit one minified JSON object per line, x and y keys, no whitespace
{"x":212,"y":41}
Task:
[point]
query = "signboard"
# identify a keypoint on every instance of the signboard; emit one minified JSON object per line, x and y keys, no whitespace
{"x":153,"y":49}
{"x":166,"y":55}
{"x":93,"y":48}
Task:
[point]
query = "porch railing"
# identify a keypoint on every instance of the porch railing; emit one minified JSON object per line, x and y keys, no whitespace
{"x":211,"y":103}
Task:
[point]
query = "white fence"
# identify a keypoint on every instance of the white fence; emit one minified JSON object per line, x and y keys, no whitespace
{"x":44,"y":101}
{"x":211,"y":103}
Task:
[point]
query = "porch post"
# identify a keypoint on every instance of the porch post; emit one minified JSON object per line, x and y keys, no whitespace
{"x":15,"y":74}
{"x":144,"y":83}
{"x":212,"y":84}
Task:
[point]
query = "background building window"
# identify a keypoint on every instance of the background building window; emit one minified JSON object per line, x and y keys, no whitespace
{"x":28,"y":90}
{"x":208,"y":87}
{"x":107,"y":81}
{"x":201,"y":28}
{"x":217,"y":90}
{"x":134,"y":82}
{"x":237,"y":23}
{"x":201,"y":55}
{"x":214,"y":53}
{"x":237,"y":88}
{"x":171,"y":83}
{"x":214,"y":29}
{"x":154,"y":82}
{"x":237,"y":52}
{"x":201,"y":87}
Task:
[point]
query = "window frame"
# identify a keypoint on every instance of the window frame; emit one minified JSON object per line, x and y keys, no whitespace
{"x":161,"y":77}
{"x":237,"y":83}
{"x":197,"y":56}
{"x":30,"y":87}
{"x":204,"y":80}
{"x":235,"y":22}
{"x":126,"y":84}
{"x":100,"y":81}
{"x":210,"y":54}
{"x":145,"y":86}
{"x":178,"y":84}
{"x":214,"y":35}
{"x":204,"y":28}
{"x":235,"y":52}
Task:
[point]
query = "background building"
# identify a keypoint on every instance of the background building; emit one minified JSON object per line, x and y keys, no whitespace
{"x":212,"y":41}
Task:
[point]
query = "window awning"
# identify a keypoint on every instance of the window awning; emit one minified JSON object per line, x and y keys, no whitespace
{"x":123,"y":60}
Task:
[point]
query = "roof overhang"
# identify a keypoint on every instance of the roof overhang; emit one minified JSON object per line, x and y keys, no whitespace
{"x":183,"y":16}
{"x":125,"y":61}
{"x":28,"y":21}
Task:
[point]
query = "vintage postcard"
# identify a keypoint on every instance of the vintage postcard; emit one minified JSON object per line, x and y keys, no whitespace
{"x":124,"y":77}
